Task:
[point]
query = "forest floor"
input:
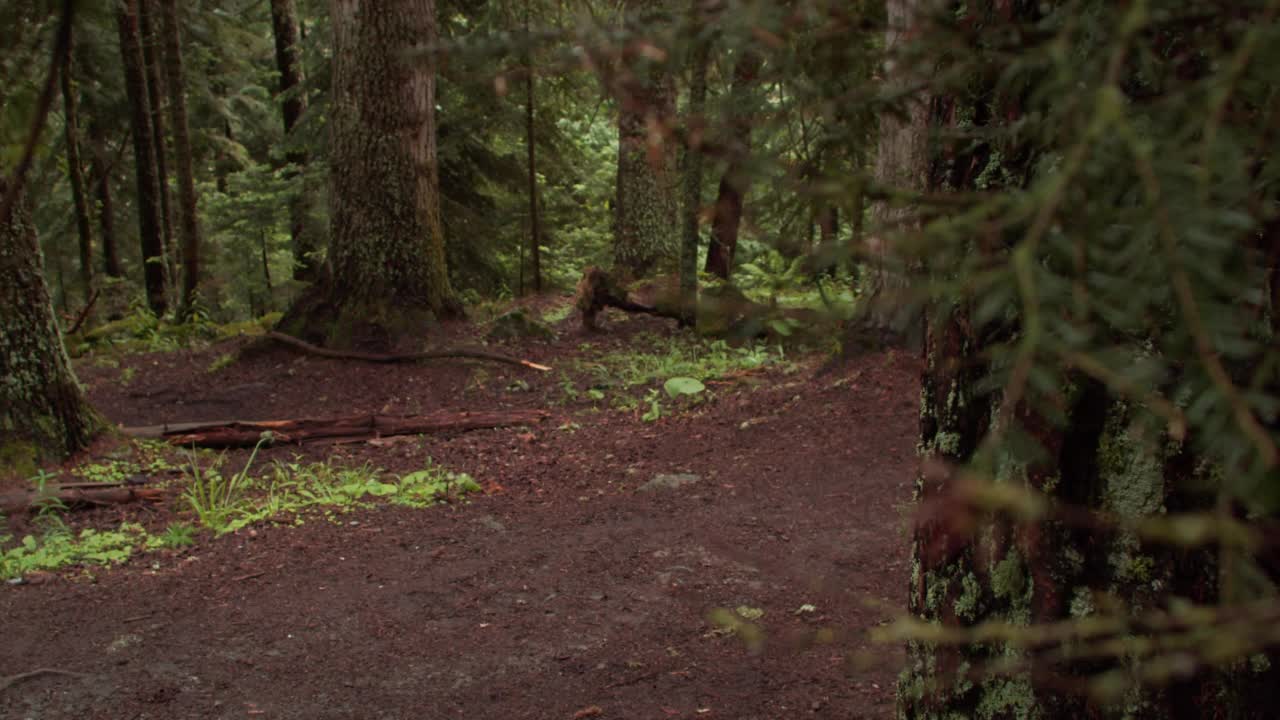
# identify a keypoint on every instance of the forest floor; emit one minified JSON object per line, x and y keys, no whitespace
{"x":564,"y":590}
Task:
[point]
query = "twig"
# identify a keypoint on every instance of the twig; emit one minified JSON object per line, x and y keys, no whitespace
{"x":403,"y":357}
{"x":11,"y":680}
{"x":93,"y":297}
{"x":1186,"y":299}
{"x":250,"y":576}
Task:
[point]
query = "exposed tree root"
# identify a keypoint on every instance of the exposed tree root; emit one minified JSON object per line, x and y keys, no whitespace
{"x":11,"y":680}
{"x":403,"y":357}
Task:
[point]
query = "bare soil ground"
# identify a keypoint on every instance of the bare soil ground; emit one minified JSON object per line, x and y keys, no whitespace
{"x":562,"y":592}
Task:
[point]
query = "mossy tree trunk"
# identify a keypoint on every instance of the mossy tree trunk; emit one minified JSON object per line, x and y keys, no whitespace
{"x":1080,"y":447}
{"x":177,"y":90}
{"x":43,"y":410}
{"x":646,"y":224}
{"x":144,"y":156}
{"x":156,"y":99}
{"x":386,"y":244}
{"x":285,"y":29}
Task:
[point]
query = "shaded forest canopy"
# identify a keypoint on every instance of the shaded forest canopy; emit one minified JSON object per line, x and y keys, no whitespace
{"x":1068,"y":209}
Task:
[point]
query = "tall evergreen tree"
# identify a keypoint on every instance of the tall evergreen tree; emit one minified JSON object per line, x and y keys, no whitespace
{"x":150,"y":227}
{"x":286,"y":31}
{"x":43,"y":410}
{"x":177,"y":91}
{"x":646,"y":226}
{"x":386,"y":245}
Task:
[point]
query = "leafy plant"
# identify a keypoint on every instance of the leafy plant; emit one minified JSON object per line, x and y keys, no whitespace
{"x":177,"y":535}
{"x":678,"y":387}
{"x":57,"y":547}
{"x":216,"y":499}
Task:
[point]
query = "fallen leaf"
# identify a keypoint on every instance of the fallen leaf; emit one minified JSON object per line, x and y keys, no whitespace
{"x":589,"y":711}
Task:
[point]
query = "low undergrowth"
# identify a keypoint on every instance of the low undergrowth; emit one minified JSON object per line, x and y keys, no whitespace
{"x":288,"y":493}
{"x":663,"y":374}
{"x":291,"y":490}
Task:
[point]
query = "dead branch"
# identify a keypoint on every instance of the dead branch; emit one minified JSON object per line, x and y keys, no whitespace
{"x":10,"y":680}
{"x":88,"y":306}
{"x":76,"y":496}
{"x":356,"y":427}
{"x":464,"y":353}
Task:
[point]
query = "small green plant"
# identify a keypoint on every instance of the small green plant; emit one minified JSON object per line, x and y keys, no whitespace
{"x":222,"y":361}
{"x":655,"y":407}
{"x":215,"y":499}
{"x":177,"y":535}
{"x":126,"y":375}
{"x":57,"y":547}
{"x":678,"y":387}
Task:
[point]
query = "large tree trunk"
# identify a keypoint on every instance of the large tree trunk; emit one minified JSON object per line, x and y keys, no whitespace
{"x":144,"y":154}
{"x":284,"y":26}
{"x":695,"y":124}
{"x":155,"y":102}
{"x":43,"y":410}
{"x":182,"y":153}
{"x":75,"y":172}
{"x":386,"y":247}
{"x":1078,"y":448}
{"x":646,"y":225}
{"x":733,"y":184}
{"x":535,"y":230}
{"x":901,"y":161}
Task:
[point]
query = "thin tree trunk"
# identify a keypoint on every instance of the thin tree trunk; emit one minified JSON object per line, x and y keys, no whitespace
{"x":155,"y":99}
{"x":286,"y":30}
{"x":695,"y":123}
{"x":646,"y":221}
{"x":266,"y":270}
{"x":144,"y":152}
{"x":901,"y":162}
{"x":727,"y":219}
{"x":100,"y":179}
{"x":43,"y":409}
{"x":75,"y":172}
{"x":535,"y":231}
{"x":176,"y":84}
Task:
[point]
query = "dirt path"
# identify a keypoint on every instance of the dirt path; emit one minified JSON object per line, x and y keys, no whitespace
{"x":568,"y":591}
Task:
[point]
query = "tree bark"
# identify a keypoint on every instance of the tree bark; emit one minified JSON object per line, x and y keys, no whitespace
{"x":177,"y":89}
{"x":535,"y":230}
{"x":285,"y":29}
{"x":735,"y":181}
{"x":695,"y":123}
{"x":901,"y":162}
{"x":150,"y":39}
{"x":646,"y":220}
{"x":387,"y":246}
{"x":75,"y":171}
{"x":43,"y":410}
{"x":144,"y":154}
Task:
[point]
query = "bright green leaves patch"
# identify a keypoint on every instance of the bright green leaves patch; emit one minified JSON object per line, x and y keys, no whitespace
{"x":677,"y":387}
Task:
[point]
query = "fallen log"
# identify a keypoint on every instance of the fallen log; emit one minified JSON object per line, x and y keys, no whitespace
{"x":76,"y":495}
{"x":236,"y":433}
{"x":597,"y":290}
{"x":463,"y":353}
